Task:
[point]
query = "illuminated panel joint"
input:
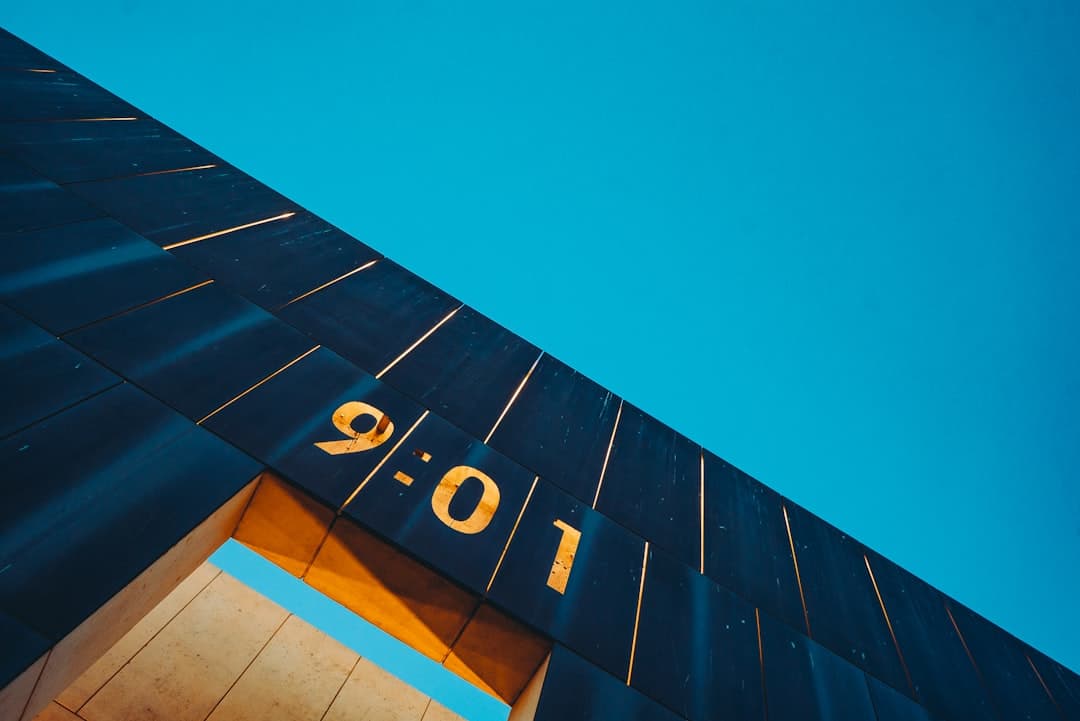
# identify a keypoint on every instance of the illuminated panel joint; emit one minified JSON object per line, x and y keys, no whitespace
{"x":383,"y":460}
{"x":280,"y":370}
{"x":637,"y":614}
{"x":701,"y":510}
{"x":513,"y":530}
{"x":226,"y":231}
{"x":140,"y":306}
{"x":418,"y":341}
{"x":329,"y":283}
{"x":888,"y":622}
{"x":607,"y":454}
{"x":798,"y":576}
{"x":513,"y":397}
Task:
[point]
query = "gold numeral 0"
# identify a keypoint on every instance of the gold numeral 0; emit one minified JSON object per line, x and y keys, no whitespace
{"x":481,"y":515}
{"x":381,"y":429}
{"x":564,"y":556}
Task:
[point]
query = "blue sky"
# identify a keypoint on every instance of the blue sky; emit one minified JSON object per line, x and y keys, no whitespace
{"x":837,"y":246}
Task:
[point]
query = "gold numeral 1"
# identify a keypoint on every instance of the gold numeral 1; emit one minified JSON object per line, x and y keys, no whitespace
{"x":481,"y":516}
{"x":381,"y":429}
{"x":564,"y":556}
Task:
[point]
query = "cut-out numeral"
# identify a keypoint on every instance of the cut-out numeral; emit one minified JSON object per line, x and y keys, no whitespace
{"x":564,"y":556}
{"x":481,"y":515}
{"x":344,"y":417}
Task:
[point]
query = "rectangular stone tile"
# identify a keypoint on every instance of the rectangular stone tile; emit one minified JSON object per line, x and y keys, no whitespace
{"x":295,"y":677}
{"x":188,"y":667}
{"x":372,"y":694}
{"x":86,"y":685}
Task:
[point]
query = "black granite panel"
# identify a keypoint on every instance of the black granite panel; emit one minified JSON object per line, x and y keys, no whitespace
{"x":281,"y":421}
{"x":697,"y":649}
{"x":94,"y":495}
{"x":403,"y":501}
{"x":1009,"y":679}
{"x":73,"y":152}
{"x":273,"y":263}
{"x":845,"y":615}
{"x":576,"y":690}
{"x":29,"y":201}
{"x":806,"y":682}
{"x":372,"y":316}
{"x":196,"y":351}
{"x":945,"y":681}
{"x":1062,"y":684}
{"x":652,"y":485}
{"x":175,"y":207}
{"x":466,"y":371}
{"x":22,"y":647}
{"x":71,"y":275}
{"x":595,"y":615}
{"x":56,"y":96}
{"x":746,"y":542}
{"x":40,"y":375}
{"x":16,"y":53}
{"x":560,"y":426}
{"x":891,"y":705}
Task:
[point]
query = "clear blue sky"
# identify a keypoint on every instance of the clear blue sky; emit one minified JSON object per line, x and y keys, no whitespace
{"x":839,"y":246}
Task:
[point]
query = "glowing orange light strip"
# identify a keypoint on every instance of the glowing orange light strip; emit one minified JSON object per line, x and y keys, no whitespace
{"x":637,"y":615}
{"x":282,"y":369}
{"x":1043,"y":683}
{"x":178,"y":170}
{"x":419,"y":340}
{"x":798,"y":576}
{"x":607,"y":454}
{"x":143,"y":305}
{"x":384,"y":459}
{"x":888,"y":622}
{"x":215,"y":234}
{"x":38,"y":70}
{"x":512,"y":532}
{"x":517,"y":392}
{"x":97,"y":120}
{"x":963,"y":641}
{"x":329,"y":283}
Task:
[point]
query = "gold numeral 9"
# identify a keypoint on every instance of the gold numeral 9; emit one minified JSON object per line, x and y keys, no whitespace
{"x":381,"y":429}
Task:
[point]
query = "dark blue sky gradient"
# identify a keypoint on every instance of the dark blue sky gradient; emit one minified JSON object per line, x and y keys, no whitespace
{"x":840,"y":247}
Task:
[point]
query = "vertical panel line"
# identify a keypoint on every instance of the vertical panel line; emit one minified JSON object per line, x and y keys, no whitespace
{"x":798,"y":576}
{"x":140,"y":306}
{"x":607,"y":454}
{"x":329,"y":283}
{"x":1045,"y":687}
{"x":761,"y":663}
{"x":510,"y":538}
{"x":226,"y":231}
{"x":418,"y":341}
{"x":888,"y":622}
{"x":637,"y":614}
{"x":513,"y":397}
{"x":279,"y":371}
{"x":383,"y":460}
{"x":701,"y":516}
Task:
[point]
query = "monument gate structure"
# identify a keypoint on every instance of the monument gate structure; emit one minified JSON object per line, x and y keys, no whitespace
{"x":189,"y":356}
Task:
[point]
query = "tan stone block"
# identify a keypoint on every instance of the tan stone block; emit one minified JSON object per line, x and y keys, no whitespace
{"x":56,"y":712}
{"x":399,"y":595}
{"x":191,"y":664}
{"x":284,"y":524}
{"x":77,"y":651}
{"x":14,"y":696}
{"x":75,"y":695}
{"x":372,"y":694}
{"x":437,"y":712}
{"x":295,"y":677}
{"x":497,"y":654}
